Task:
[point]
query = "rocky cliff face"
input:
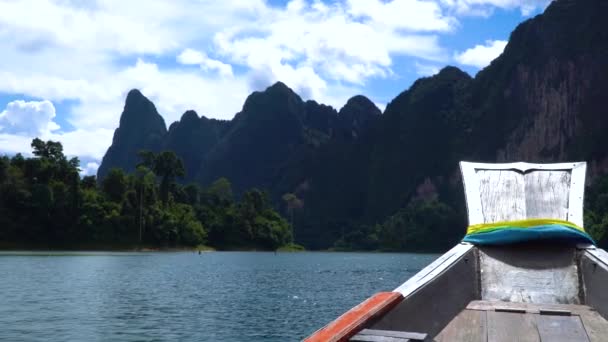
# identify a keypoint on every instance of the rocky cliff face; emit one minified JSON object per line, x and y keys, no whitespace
{"x":356,"y":116}
{"x":548,"y":84}
{"x":542,"y":100}
{"x":274,"y":135}
{"x":260,"y":147}
{"x":140,"y":128}
{"x":192,"y":138}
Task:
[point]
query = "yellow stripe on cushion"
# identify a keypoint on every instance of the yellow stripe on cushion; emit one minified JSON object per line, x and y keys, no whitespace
{"x":529,"y":223}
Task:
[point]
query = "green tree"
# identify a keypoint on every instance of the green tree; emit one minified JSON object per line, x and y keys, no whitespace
{"x":293,"y":203}
{"x":167,"y":165}
{"x":596,"y":210}
{"x":177,"y":224}
{"x":52,"y":150}
{"x":89,"y":182}
{"x":114,"y":185}
{"x":220,"y":191}
{"x":4,"y":165}
{"x":43,"y":200}
{"x":422,"y":225}
{"x":192,"y":192}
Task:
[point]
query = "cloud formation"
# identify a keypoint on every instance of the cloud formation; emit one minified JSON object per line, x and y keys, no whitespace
{"x":481,"y":55}
{"x":487,"y":7}
{"x":191,"y":56}
{"x":28,"y":118}
{"x":426,"y":69}
{"x":89,"y":169}
{"x":21,"y":121}
{"x":310,"y":45}
{"x":209,"y":55}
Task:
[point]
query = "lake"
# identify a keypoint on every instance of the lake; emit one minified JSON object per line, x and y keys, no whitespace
{"x":218,"y":296}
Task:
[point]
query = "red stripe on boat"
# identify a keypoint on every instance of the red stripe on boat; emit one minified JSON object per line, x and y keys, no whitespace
{"x":355,"y":319}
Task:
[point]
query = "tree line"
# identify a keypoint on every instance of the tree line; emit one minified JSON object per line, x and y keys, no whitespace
{"x":45,"y":203}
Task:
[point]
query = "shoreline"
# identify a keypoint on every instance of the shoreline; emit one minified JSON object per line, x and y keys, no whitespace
{"x":100,"y":248}
{"x":183,"y":250}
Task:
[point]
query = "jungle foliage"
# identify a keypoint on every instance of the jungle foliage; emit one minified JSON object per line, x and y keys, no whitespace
{"x":45,"y":203}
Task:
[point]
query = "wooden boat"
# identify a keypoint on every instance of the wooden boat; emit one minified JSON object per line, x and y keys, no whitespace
{"x":536,"y":291}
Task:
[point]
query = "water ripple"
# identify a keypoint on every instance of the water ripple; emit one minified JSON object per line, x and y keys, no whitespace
{"x":229,"y":296}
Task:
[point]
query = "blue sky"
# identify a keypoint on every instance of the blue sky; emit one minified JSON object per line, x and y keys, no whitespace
{"x":66,"y":65}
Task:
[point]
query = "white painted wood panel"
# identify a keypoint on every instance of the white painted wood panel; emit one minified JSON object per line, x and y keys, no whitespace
{"x":577,"y":192}
{"x":433,"y":270}
{"x":532,"y":275}
{"x":547,"y":194}
{"x":502,"y":195}
{"x":512,"y":191}
{"x":471,"y":191}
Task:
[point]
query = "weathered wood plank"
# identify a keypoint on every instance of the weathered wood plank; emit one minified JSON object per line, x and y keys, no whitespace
{"x":435,"y":295}
{"x":356,"y":318}
{"x":392,"y":333}
{"x":547,"y":194}
{"x":433,"y":270}
{"x":577,"y":191}
{"x":502,"y":195}
{"x":561,"y":328}
{"x":594,"y":269}
{"x":470,"y":181}
{"x":595,"y":326}
{"x":373,"y":338}
{"x":533,"y":274}
{"x":474,"y":174}
{"x":511,"y":327}
{"x":599,"y":255}
{"x":469,"y":326}
{"x":486,"y":305}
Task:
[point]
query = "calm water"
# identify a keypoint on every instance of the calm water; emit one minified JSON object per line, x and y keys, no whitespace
{"x":223,"y":296}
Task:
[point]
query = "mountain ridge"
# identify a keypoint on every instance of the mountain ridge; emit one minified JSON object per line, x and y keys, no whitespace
{"x":541,"y":100}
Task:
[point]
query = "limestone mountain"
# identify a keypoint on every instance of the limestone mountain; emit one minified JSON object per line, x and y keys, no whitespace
{"x":192,"y":138}
{"x":358,"y":172}
{"x":540,"y":101}
{"x":140,"y":128}
{"x":543,"y":98}
{"x":356,"y":116}
{"x":275,"y":131}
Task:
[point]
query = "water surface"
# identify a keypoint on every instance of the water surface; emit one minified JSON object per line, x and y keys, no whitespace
{"x":219,"y":296}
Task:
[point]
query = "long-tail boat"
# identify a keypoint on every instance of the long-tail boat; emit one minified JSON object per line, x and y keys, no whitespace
{"x":525,"y":271}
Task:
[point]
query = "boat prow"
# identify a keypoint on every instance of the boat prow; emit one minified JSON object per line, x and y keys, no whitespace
{"x":541,"y":290}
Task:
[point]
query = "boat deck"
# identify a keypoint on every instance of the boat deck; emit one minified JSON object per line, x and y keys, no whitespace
{"x":523,"y":322}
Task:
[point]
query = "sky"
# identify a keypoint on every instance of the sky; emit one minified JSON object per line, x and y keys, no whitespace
{"x":67,"y":65}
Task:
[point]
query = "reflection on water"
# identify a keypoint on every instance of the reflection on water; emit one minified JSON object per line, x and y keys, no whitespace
{"x":220,"y":296}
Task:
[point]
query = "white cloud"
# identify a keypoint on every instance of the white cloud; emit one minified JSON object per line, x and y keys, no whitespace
{"x":90,"y":144}
{"x":23,"y":121}
{"x":426,"y":69}
{"x":11,"y":143}
{"x":89,"y":169}
{"x":313,"y":45}
{"x":486,"y":7}
{"x":191,"y":56}
{"x":413,"y":15}
{"x":101,"y":99}
{"x":28,"y":118}
{"x":92,"y":52}
{"x":308,"y":45}
{"x":481,"y":55}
